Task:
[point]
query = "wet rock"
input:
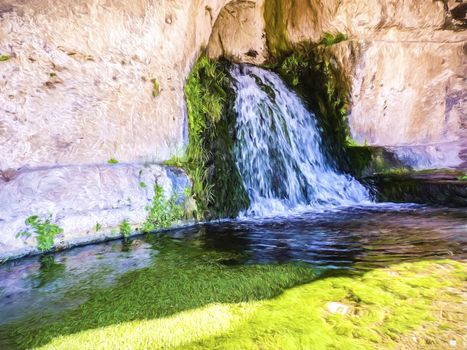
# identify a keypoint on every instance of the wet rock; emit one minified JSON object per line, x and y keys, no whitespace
{"x":86,"y":201}
{"x":427,"y":187}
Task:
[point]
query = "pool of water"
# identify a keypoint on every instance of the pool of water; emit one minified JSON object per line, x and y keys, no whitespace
{"x":347,"y":239}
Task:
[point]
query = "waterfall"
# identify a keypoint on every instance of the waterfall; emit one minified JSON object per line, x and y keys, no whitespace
{"x":279,"y":149}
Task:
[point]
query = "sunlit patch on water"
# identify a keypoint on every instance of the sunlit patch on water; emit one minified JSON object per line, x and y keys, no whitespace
{"x":358,"y":238}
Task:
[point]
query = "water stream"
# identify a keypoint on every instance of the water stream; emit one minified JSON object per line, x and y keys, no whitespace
{"x":280,"y":150}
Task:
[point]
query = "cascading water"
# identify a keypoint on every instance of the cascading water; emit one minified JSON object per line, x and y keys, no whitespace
{"x":279,"y":149}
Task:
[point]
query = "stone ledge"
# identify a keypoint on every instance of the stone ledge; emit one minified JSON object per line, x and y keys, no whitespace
{"x":438,"y":187}
{"x":77,"y":198}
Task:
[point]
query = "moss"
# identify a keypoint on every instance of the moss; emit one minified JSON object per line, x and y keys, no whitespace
{"x":276,"y":28}
{"x":155,"y":88}
{"x":330,"y":39}
{"x":368,"y":160}
{"x":4,"y":58}
{"x":436,"y":186}
{"x":313,"y":73}
{"x":175,"y":161}
{"x":217,"y":184}
{"x":188,"y":301}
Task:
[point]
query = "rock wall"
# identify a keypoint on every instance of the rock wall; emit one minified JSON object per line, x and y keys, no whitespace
{"x":87,"y":201}
{"x":79,"y":88}
{"x":86,"y":81}
{"x":405,"y":59}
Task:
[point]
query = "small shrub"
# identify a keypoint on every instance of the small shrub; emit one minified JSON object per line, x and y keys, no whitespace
{"x":217,"y":185}
{"x":462,"y":177}
{"x":112,"y":161}
{"x":163,"y":213}
{"x":125,"y":229}
{"x":44,"y":230}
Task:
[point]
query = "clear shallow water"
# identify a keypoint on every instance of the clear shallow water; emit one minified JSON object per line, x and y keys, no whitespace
{"x":354,"y":239}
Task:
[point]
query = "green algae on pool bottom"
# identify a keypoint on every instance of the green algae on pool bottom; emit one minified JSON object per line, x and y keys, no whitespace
{"x":196,"y":303}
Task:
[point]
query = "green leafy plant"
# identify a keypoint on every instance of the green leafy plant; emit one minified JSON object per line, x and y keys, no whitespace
{"x":142,"y":184}
{"x":98,"y":227}
{"x":112,"y":161}
{"x":163,"y":212}
{"x":462,"y":177}
{"x":125,"y":228}
{"x":217,"y":185}
{"x":310,"y":71}
{"x":45,"y":231}
{"x":4,"y":58}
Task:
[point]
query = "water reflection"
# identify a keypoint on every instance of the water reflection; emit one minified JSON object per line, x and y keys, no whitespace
{"x":364,"y":237}
{"x":357,"y":238}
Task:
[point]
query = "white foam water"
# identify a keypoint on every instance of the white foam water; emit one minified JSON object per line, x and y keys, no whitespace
{"x":279,"y":150}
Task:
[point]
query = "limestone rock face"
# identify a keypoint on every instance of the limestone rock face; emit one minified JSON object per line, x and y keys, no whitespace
{"x":86,"y":81}
{"x":238,"y":33}
{"x":406,"y":61}
{"x":78,"y":87}
{"x":87,"y":201}
{"x":409,"y":94}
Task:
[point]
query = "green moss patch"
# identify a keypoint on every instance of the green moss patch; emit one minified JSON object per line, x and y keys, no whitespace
{"x":196,"y":303}
{"x":217,"y":184}
{"x":276,"y":28}
{"x":368,"y":160}
{"x":313,"y":73}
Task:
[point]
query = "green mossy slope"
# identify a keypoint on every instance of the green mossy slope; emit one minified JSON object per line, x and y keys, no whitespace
{"x":217,"y":185}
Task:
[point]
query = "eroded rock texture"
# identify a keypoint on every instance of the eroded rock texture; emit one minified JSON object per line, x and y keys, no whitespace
{"x":91,"y":80}
{"x":406,"y":61}
{"x":87,"y":81}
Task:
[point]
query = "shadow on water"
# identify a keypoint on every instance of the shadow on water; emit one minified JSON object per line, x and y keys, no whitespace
{"x":162,"y":274}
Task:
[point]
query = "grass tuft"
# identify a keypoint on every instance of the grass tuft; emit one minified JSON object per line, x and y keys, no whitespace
{"x":125,"y":229}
